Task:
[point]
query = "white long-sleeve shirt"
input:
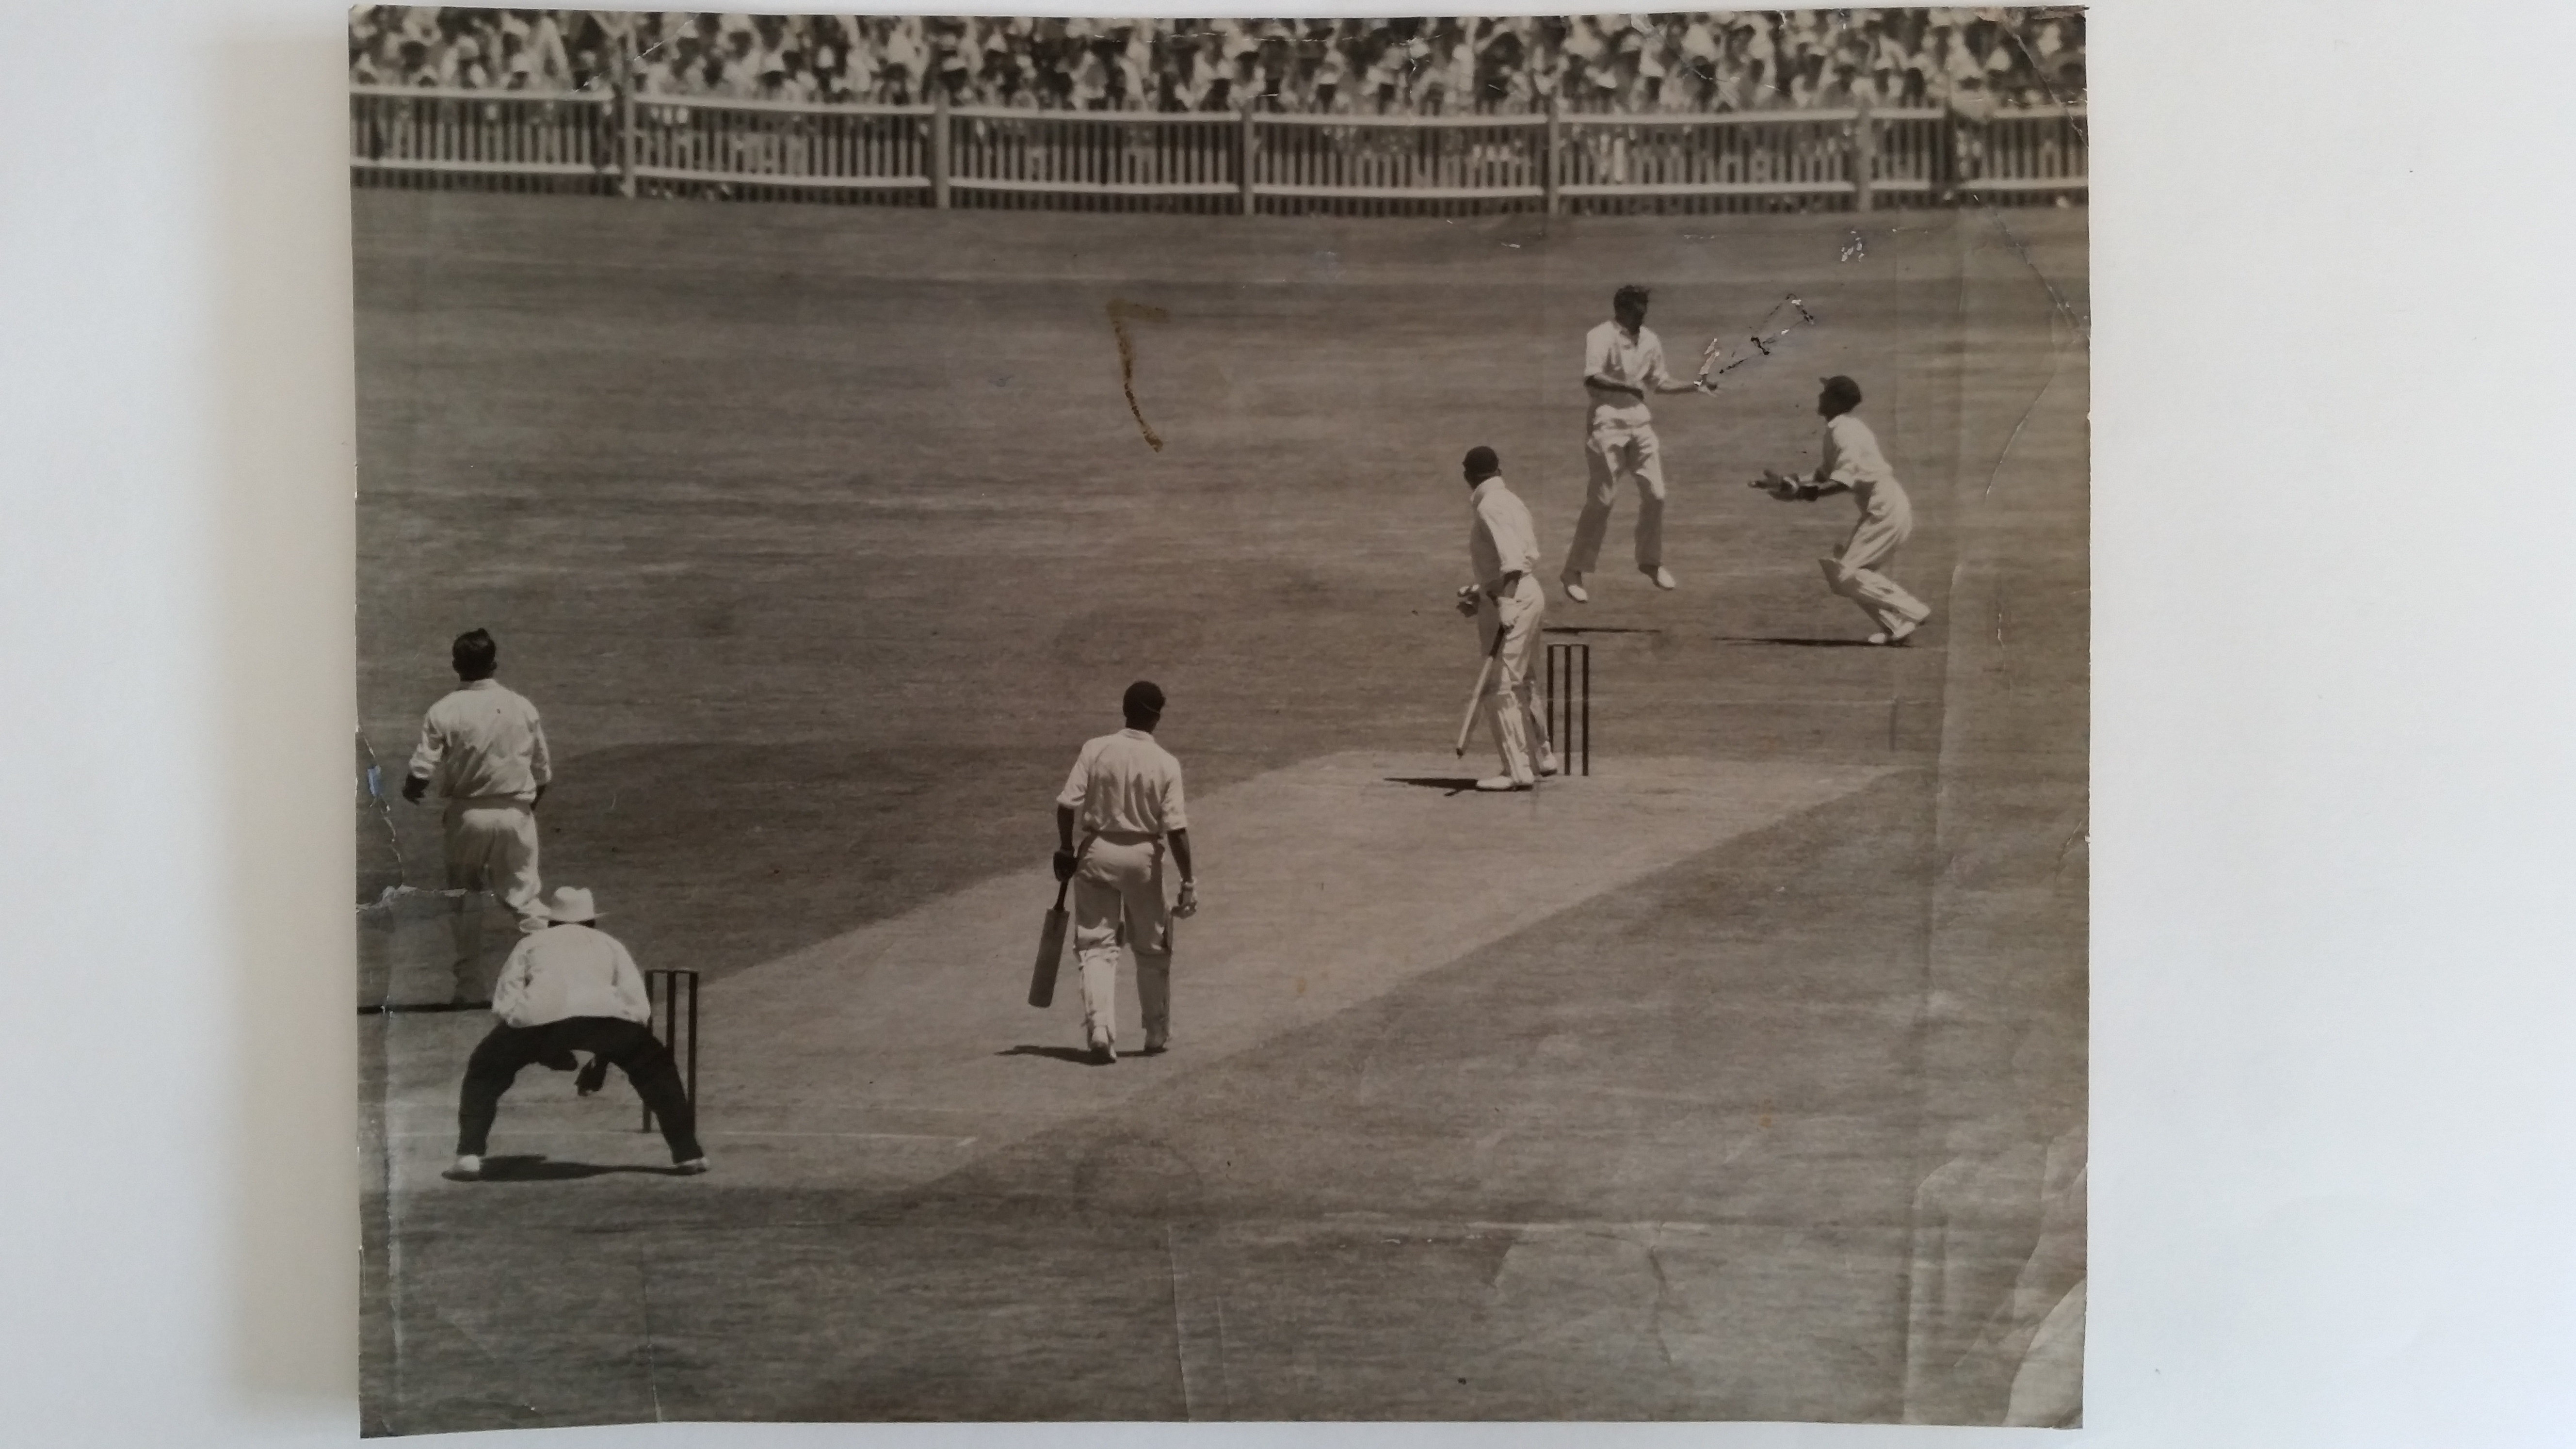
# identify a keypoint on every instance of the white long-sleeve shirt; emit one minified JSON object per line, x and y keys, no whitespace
{"x":1502,"y":538}
{"x":483,"y":742}
{"x":567,"y":971}
{"x":1125,"y":784}
{"x":1609,"y":352}
{"x":1853,"y":460}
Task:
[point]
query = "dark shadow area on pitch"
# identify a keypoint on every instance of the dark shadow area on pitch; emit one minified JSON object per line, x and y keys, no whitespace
{"x":1594,"y":629}
{"x":1454,"y":784}
{"x":410,"y":1008}
{"x":1079,"y":1056}
{"x":1750,"y":979}
{"x":1786,"y":642}
{"x":537,"y":1167}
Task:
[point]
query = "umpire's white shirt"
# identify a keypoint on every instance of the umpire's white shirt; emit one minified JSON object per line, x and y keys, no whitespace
{"x":1125,"y":785}
{"x":566,"y":971}
{"x":483,"y":742}
{"x":1502,"y":538}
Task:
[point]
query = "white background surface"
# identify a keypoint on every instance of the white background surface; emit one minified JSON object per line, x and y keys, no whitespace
{"x":2332,"y":1156}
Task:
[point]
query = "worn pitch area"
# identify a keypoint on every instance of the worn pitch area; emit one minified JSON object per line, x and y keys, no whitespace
{"x":822,"y":536}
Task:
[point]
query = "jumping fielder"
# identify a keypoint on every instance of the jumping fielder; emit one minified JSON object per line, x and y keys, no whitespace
{"x":1622,"y":363}
{"x":1125,"y":795}
{"x":485,"y":749}
{"x":1502,"y":549}
{"x":1853,"y":463}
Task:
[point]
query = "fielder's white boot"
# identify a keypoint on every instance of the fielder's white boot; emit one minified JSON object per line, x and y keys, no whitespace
{"x":1662,"y":576}
{"x":1547,"y":761}
{"x":1572,"y":581}
{"x":468,"y":1168}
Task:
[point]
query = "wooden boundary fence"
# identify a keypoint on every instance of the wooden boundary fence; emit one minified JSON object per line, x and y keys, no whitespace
{"x":1247,"y":162}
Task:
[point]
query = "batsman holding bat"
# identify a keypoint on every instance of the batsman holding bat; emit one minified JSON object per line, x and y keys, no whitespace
{"x":1853,"y":463}
{"x":1125,"y":796}
{"x":1507,"y":604}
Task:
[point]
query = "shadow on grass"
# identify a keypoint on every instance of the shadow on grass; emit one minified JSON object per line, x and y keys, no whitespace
{"x":1791,"y":643}
{"x":408,"y":1008}
{"x":1079,"y":1056}
{"x":1594,"y":629}
{"x":535,"y":1167}
{"x":1454,"y":784}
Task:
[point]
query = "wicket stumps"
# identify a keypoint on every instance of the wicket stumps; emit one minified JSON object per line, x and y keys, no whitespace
{"x":673,"y":993}
{"x":1569,"y":704}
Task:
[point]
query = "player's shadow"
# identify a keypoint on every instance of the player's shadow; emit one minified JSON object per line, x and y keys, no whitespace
{"x":1454,"y":784}
{"x":1788,"y":642}
{"x":1077,"y":1055}
{"x":537,"y":1167}
{"x":407,"y":1008}
{"x":1594,"y":629}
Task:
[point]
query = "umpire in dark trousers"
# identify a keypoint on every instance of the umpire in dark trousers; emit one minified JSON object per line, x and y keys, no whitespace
{"x":572,"y":987}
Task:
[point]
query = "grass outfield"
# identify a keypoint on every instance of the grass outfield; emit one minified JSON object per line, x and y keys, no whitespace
{"x":822,"y":536}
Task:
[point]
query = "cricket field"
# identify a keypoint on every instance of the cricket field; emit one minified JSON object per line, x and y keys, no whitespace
{"x":1743,"y":1079}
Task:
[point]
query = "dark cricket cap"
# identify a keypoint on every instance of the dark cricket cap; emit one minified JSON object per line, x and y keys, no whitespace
{"x":1842,"y":390}
{"x":1482,"y":463}
{"x":474,"y":648}
{"x":1143,"y":697}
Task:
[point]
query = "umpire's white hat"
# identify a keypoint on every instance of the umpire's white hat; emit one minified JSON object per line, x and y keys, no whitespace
{"x":571,"y":906}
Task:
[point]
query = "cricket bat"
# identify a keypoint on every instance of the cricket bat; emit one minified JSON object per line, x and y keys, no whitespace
{"x":1050,"y":952}
{"x":1483,"y":672}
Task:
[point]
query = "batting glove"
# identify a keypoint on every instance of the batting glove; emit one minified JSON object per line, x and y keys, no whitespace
{"x":1065,"y":861}
{"x":1189,"y":904}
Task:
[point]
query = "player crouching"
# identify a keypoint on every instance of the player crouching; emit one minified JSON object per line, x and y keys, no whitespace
{"x":572,"y":987}
{"x":1853,"y":463}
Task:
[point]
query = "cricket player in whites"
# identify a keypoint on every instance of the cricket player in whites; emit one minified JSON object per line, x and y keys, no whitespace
{"x":1125,"y":796}
{"x":1622,"y":364}
{"x":1853,"y":463}
{"x":1507,"y":603}
{"x":485,"y":749}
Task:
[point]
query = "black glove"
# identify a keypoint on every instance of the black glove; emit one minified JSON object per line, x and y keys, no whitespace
{"x":413,"y":788}
{"x":1065,"y":861}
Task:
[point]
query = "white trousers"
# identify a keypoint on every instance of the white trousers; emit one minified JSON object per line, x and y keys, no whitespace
{"x":1616,"y":453}
{"x":1121,"y":884}
{"x":490,"y":848}
{"x":1855,"y":575}
{"x":1513,"y":714}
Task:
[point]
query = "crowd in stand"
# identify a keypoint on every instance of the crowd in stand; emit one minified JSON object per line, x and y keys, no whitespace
{"x":1969,"y":61}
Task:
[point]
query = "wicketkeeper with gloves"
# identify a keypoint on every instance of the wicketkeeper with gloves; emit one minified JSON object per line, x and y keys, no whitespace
{"x":1852,"y":463}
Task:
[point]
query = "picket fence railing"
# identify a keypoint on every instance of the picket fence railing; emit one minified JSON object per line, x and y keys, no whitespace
{"x":1246,"y":162}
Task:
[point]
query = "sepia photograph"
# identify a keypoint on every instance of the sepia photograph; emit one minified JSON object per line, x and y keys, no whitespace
{"x":1078,"y":719}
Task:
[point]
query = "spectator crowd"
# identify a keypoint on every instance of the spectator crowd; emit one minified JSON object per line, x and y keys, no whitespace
{"x":1967,"y":60}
